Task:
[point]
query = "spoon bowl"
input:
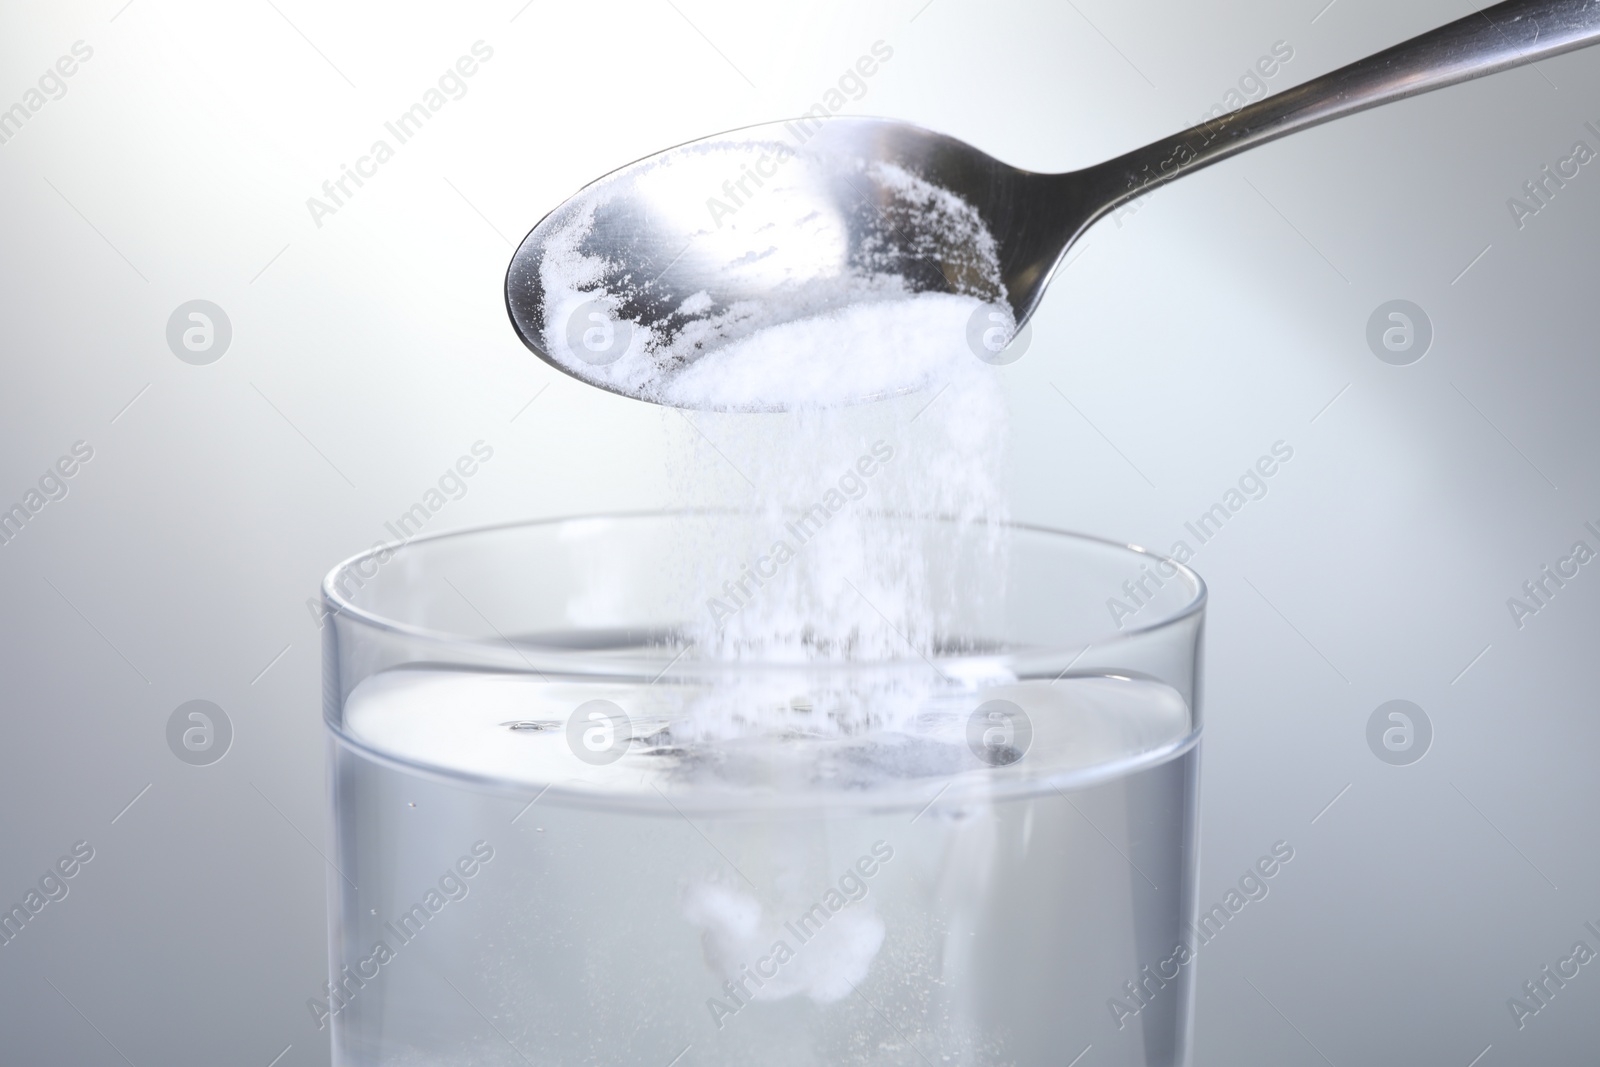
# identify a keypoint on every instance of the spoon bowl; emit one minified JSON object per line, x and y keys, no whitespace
{"x":702,"y":246}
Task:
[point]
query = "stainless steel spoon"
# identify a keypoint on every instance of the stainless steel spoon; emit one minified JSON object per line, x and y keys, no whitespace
{"x":656,"y":265}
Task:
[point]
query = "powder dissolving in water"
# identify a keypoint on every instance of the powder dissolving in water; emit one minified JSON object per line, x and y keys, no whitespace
{"x":810,"y":575}
{"x":812,"y":579}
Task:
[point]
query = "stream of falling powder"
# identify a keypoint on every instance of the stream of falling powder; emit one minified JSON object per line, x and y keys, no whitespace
{"x":814,"y":572}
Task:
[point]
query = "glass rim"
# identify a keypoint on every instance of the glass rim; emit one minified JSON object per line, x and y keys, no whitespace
{"x":342,"y":607}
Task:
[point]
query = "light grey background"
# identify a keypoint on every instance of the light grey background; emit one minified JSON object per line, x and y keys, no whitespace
{"x":1228,"y":313}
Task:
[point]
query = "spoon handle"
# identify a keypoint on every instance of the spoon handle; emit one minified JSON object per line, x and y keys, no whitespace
{"x":1506,"y":35}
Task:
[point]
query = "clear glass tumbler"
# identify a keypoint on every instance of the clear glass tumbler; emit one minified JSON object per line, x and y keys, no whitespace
{"x":539,"y":861}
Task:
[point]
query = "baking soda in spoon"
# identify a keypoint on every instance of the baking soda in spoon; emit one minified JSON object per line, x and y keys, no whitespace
{"x":876,"y":323}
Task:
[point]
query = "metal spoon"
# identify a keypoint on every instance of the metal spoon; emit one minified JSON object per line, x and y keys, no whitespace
{"x":669,"y":259}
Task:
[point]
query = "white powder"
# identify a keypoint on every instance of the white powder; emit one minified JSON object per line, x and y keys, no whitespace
{"x":739,"y":936}
{"x":817,"y":576}
{"x":862,"y":350}
{"x":829,"y":281}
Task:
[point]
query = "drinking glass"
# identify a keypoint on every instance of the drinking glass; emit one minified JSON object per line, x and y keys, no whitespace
{"x":568,"y":830}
